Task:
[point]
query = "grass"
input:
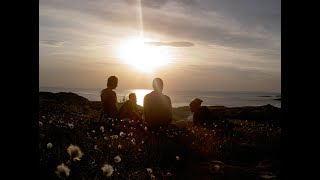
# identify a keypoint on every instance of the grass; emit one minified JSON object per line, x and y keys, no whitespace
{"x":245,"y":149}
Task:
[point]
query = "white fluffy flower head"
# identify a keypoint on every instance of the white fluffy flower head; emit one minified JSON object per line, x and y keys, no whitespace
{"x":122,"y":134}
{"x":114,"y":137}
{"x":71,"y":125}
{"x":107,"y":170}
{"x":149,"y":170}
{"x":49,"y":145}
{"x":75,"y":152}
{"x":117,"y":159}
{"x":62,"y":171}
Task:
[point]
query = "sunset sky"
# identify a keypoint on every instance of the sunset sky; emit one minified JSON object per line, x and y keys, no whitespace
{"x":231,"y":45}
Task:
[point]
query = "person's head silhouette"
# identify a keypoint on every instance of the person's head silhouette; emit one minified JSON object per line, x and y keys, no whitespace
{"x":112,"y":82}
{"x":157,"y":84}
{"x":195,"y":104}
{"x":133,"y":98}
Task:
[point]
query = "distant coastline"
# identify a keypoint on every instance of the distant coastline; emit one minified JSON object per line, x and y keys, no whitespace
{"x":183,"y":97}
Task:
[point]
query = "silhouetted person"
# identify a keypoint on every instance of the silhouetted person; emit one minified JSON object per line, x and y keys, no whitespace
{"x":109,"y":99}
{"x":157,"y":107}
{"x":201,"y":114}
{"x":129,"y":110}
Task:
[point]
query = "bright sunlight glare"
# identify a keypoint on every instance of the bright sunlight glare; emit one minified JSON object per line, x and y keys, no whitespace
{"x":143,"y":57}
{"x":140,"y":93}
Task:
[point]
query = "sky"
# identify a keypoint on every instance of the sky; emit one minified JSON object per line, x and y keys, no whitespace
{"x":222,"y":45}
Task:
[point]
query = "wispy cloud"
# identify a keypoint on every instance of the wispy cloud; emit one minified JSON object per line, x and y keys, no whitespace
{"x":51,"y":43}
{"x":173,"y":44}
{"x":238,"y":43}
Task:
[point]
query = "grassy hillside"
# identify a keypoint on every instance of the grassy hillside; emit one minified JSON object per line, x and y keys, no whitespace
{"x":247,"y":148}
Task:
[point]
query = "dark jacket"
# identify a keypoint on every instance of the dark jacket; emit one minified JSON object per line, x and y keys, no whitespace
{"x":157,"y":109}
{"x":128,"y":110}
{"x":109,"y":100}
{"x":201,"y":116}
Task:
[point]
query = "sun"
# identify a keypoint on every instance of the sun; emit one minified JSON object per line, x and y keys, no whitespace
{"x":143,"y":57}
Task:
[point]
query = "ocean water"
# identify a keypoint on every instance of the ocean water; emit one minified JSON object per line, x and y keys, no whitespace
{"x":183,"y":98}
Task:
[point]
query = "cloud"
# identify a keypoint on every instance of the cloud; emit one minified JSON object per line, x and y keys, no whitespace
{"x":51,"y":43}
{"x":209,"y":33}
{"x":156,"y":4}
{"x":241,"y":25}
{"x":173,"y":44}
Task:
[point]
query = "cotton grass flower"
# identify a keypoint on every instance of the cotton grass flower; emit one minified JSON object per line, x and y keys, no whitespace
{"x":145,"y":128}
{"x":62,"y":171}
{"x":122,"y":134}
{"x":40,"y":123}
{"x":149,"y":170}
{"x":49,"y":145}
{"x":75,"y":152}
{"x":178,"y":158}
{"x":114,"y":137}
{"x":93,"y":131}
{"x":101,"y":128}
{"x":120,"y":146}
{"x":71,"y":125}
{"x":107,"y":169}
{"x":117,"y":159}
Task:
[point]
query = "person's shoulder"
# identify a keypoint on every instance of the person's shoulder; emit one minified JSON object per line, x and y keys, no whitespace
{"x":167,"y":97}
{"x":128,"y":102}
{"x":103,"y":90}
{"x":149,"y":94}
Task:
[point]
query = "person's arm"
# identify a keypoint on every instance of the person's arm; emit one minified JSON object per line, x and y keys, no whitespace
{"x":145,"y":108}
{"x":170,"y":110}
{"x":113,"y":104}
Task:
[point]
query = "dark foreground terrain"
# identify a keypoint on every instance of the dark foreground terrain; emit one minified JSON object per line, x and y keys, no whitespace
{"x":73,"y":144}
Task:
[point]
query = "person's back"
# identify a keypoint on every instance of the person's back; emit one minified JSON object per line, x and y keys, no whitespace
{"x":202,"y":117}
{"x":201,"y":114}
{"x":128,"y":110}
{"x":157,"y":107}
{"x":109,"y":98}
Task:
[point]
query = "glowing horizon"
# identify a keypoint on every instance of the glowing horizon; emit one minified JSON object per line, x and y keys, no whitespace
{"x":215,"y":45}
{"x":140,"y":93}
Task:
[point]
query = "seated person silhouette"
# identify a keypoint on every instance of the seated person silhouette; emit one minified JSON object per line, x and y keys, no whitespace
{"x":157,"y":107}
{"x":129,"y":111}
{"x":109,"y":100}
{"x":201,"y":114}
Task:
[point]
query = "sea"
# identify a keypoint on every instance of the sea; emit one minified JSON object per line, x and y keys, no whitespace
{"x":184,"y":97}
